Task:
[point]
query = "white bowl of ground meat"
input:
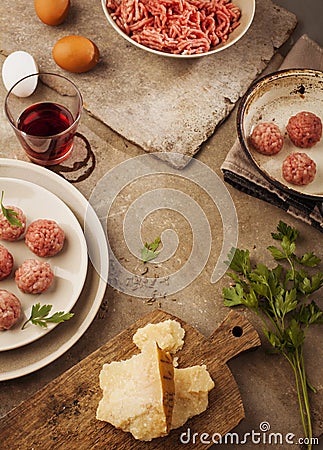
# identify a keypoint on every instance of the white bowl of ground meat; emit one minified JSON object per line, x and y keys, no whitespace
{"x":180,"y":28}
{"x":279,"y":124}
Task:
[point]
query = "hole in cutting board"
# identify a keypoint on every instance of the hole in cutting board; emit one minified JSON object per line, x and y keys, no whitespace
{"x":237,"y":331}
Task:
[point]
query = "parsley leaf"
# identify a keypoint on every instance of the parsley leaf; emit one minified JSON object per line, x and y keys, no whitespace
{"x":39,"y":316}
{"x":149,"y":251}
{"x":310,"y":314}
{"x":239,"y":260}
{"x":309,"y":260}
{"x":10,"y":214}
{"x":233,"y":296}
{"x":285,"y":230}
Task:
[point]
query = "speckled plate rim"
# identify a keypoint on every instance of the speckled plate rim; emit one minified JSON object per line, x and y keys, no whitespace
{"x":236,"y":35}
{"x":65,"y":336}
{"x":243,"y":107}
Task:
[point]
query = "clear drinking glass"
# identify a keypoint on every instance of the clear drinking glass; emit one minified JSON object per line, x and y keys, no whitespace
{"x":46,"y":121}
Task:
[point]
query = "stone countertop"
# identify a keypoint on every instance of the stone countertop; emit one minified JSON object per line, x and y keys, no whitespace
{"x":185,"y":99}
{"x":264,"y":380}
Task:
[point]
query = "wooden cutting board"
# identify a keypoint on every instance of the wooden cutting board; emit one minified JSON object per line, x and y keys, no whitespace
{"x":62,"y":414}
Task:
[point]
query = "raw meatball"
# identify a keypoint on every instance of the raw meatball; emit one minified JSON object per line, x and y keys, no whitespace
{"x":10,"y":308}
{"x":34,"y":277}
{"x":6,"y":262}
{"x":299,"y":168}
{"x":45,"y":237}
{"x":10,"y":232}
{"x":304,"y":129}
{"x":266,"y":138}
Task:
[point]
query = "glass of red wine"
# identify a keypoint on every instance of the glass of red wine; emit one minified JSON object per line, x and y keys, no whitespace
{"x":45,"y":122}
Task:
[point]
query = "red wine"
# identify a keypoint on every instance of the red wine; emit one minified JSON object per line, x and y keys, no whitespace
{"x":42,"y":124}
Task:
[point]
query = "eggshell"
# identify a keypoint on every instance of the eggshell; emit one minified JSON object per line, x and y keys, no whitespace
{"x":16,"y":66}
{"x":52,"y":12}
{"x":76,"y":54}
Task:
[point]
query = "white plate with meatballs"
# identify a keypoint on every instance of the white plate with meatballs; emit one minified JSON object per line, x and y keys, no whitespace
{"x":280,"y":129}
{"x":44,"y":259}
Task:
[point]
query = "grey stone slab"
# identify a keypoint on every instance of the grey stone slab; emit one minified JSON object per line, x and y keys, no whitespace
{"x":159,"y":103}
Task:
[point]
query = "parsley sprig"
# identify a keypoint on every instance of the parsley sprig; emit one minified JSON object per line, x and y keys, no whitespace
{"x":39,"y":316}
{"x":281,"y":297}
{"x":9,"y":213}
{"x":149,"y":251}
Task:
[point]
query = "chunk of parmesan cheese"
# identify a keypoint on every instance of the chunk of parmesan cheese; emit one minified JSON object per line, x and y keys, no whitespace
{"x":192,"y":386}
{"x":145,"y":394}
{"x":138,"y":394}
{"x":168,"y":335}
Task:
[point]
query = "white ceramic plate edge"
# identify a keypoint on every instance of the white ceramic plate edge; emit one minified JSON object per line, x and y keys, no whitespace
{"x":33,"y":332}
{"x":63,"y":189}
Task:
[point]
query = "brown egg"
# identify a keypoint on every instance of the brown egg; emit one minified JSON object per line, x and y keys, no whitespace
{"x":76,"y":54}
{"x":52,"y":12}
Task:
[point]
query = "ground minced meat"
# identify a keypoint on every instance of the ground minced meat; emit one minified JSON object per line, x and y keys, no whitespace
{"x":304,"y":129}
{"x":45,"y":237}
{"x":299,"y":169}
{"x":10,"y":232}
{"x":10,"y":309}
{"x":34,"y":276}
{"x":6,"y":262}
{"x":267,"y":138}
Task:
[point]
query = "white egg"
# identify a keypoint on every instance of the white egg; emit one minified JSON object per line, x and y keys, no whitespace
{"x":17,"y":66}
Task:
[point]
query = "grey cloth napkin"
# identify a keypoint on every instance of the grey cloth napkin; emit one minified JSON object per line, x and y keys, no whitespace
{"x":240,"y":173}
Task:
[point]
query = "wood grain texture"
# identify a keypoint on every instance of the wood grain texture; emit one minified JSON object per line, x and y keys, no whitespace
{"x":64,"y":411}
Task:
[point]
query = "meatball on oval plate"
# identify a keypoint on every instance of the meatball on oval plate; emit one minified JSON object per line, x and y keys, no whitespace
{"x":284,"y":105}
{"x":49,"y":261}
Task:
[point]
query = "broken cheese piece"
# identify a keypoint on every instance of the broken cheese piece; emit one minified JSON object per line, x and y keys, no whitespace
{"x":138,"y":394}
{"x":168,"y":335}
{"x":145,"y":394}
{"x":192,"y":386}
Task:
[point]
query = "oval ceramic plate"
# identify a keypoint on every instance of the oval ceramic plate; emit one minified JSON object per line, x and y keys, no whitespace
{"x":275,"y":98}
{"x":69,"y":265}
{"x":247,"y":8}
